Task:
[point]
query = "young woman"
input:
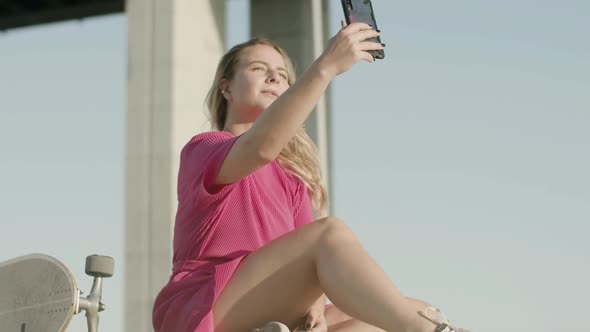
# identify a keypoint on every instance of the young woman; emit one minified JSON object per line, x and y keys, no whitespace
{"x":246,"y":247}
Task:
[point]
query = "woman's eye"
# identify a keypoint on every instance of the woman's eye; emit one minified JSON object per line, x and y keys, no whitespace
{"x":256,"y":68}
{"x":284,"y":76}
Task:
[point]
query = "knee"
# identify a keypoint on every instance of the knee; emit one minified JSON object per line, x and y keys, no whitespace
{"x":331,"y":222}
{"x":334,"y":228}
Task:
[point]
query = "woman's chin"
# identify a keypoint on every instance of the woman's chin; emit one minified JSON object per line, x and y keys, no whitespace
{"x":255,"y":112}
{"x":264,"y":106}
{"x":269,"y":102}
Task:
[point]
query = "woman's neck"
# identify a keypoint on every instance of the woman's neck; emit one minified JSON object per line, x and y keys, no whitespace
{"x":237,"y":129}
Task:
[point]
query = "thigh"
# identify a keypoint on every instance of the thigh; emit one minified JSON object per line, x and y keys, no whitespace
{"x":277,"y":282}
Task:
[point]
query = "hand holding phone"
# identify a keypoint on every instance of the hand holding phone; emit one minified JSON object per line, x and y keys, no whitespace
{"x":349,"y":46}
{"x":362,"y":11}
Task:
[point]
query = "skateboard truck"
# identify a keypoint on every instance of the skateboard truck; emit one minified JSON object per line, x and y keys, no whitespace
{"x":98,"y":267}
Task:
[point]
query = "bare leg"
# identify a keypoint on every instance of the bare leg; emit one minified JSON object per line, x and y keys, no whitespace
{"x":281,"y":280}
{"x":338,"y":321}
{"x":354,"y":325}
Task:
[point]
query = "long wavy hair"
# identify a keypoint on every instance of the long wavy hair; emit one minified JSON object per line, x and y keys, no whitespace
{"x":300,"y":157}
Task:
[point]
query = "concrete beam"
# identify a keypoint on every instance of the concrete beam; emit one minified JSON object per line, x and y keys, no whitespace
{"x":173,"y":48}
{"x":301,"y":28}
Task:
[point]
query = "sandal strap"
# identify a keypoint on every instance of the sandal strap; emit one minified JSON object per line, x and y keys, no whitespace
{"x":444,"y":328}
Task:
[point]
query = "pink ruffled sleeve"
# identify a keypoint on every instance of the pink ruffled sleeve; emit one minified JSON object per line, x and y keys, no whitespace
{"x":200,"y":162}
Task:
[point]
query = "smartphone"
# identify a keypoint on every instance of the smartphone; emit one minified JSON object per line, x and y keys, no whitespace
{"x":362,"y":11}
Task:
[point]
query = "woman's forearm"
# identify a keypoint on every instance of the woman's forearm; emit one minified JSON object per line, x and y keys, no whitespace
{"x":284,"y":117}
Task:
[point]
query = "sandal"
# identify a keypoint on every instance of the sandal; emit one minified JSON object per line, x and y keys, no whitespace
{"x":440,"y":320}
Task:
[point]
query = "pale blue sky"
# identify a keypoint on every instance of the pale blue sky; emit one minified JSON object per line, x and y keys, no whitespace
{"x":461,"y":160}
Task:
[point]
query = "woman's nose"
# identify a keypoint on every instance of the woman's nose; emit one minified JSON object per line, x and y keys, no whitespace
{"x":273,"y":77}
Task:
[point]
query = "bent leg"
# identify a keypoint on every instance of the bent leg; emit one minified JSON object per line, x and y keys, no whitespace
{"x":338,"y":321}
{"x":281,"y":280}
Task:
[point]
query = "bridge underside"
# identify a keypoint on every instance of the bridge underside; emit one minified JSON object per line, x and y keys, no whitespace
{"x":22,"y":13}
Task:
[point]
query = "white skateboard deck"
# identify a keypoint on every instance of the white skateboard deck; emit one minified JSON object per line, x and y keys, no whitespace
{"x":39,"y":294}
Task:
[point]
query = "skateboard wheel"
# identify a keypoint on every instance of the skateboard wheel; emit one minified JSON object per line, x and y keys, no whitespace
{"x":100,"y":266}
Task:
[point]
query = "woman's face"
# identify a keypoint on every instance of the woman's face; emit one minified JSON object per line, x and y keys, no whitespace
{"x":260,"y":78}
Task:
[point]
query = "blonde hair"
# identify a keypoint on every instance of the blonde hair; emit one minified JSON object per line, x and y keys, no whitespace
{"x":300,"y":157}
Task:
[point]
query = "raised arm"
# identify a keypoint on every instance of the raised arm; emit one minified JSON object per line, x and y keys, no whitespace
{"x":277,"y":125}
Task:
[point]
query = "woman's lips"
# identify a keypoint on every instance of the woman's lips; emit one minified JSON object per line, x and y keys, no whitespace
{"x":272,"y":93}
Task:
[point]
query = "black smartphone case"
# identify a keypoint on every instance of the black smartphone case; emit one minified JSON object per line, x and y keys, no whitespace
{"x":362,"y":11}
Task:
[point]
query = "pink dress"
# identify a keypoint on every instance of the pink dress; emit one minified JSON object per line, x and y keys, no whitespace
{"x":218,"y":226}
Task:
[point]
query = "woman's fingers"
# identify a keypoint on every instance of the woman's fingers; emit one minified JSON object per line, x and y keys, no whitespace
{"x":367,"y":56}
{"x":347,"y":47}
{"x":364,"y":35}
{"x":357,"y":26}
{"x":370,"y":46}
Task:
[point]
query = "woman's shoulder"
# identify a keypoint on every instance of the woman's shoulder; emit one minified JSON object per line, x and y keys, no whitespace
{"x":210,"y":136}
{"x":207,"y":139}
{"x":205,"y":143}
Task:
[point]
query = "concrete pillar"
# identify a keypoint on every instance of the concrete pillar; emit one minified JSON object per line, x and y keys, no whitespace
{"x":174,"y":46}
{"x":301,"y":28}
